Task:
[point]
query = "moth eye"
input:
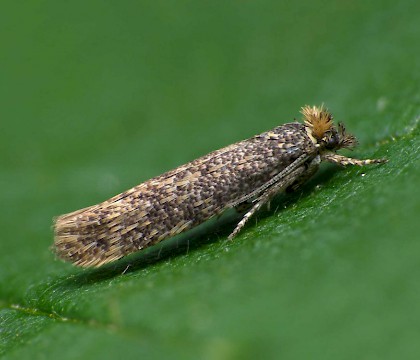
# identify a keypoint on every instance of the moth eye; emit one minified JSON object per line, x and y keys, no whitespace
{"x":331,"y":141}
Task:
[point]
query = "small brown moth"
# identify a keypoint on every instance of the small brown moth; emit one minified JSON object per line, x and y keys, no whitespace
{"x":249,"y":172}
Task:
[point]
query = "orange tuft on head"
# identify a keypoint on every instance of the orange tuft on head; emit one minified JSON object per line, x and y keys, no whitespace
{"x":319,"y":120}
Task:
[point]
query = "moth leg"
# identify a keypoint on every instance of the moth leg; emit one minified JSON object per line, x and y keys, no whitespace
{"x":274,"y":180}
{"x":266,"y":197}
{"x":246,"y":217}
{"x":244,"y":206}
{"x":344,"y":160}
{"x":311,"y":169}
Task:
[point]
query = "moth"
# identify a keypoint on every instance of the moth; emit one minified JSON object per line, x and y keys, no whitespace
{"x":249,"y":172}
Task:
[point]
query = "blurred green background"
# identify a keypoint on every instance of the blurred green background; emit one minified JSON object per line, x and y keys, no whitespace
{"x":98,"y":96}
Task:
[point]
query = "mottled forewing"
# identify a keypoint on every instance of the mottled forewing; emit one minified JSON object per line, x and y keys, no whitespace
{"x":182,"y":198}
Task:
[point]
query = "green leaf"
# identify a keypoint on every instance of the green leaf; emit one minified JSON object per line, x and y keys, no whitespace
{"x":100,"y":96}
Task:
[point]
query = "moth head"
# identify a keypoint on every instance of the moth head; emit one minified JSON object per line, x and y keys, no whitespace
{"x":319,"y":122}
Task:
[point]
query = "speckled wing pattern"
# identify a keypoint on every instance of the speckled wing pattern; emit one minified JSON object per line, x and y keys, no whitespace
{"x":179,"y":199}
